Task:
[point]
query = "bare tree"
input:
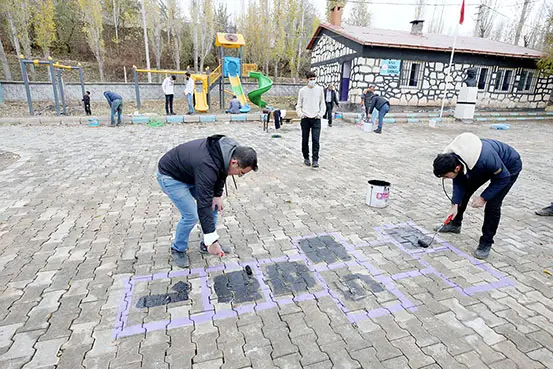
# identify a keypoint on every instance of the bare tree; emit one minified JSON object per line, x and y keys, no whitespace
{"x":485,"y":18}
{"x":5,"y":65}
{"x":146,"y":46}
{"x":174,"y":29}
{"x":419,"y":9}
{"x":523,"y":17}
{"x":155,"y":30}
{"x":116,"y":12}
{"x":92,"y":14}
{"x":436,"y":24}
{"x":195,"y":25}
{"x":360,"y":15}
{"x":208,"y":31}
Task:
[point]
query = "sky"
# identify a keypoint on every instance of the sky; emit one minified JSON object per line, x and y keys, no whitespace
{"x":396,"y":14}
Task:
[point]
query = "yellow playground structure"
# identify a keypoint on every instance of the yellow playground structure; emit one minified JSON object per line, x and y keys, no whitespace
{"x":231,"y":67}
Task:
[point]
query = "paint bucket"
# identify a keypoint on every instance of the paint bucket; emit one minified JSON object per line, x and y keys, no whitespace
{"x":93,"y":122}
{"x":338,"y":115}
{"x":378,"y":193}
{"x":367,"y":126}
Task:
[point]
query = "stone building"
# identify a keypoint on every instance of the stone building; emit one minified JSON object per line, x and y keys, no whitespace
{"x":410,"y":68}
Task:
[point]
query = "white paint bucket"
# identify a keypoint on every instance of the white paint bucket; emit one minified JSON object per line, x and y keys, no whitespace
{"x":378,"y":193}
{"x":367,"y":126}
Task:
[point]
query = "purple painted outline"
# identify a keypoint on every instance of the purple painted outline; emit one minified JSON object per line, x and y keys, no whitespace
{"x":121,"y":330}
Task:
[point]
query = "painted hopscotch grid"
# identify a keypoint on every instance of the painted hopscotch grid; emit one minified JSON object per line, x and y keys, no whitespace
{"x":358,"y":258}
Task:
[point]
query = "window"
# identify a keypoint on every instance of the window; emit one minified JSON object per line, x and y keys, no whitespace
{"x":527,"y":81}
{"x":482,"y":78}
{"x":411,"y":74}
{"x":504,"y":80}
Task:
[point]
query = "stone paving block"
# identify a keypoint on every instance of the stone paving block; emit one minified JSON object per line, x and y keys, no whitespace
{"x":127,"y":351}
{"x":396,"y":362}
{"x":543,"y":337}
{"x":544,"y":356}
{"x":46,"y":353}
{"x":470,"y":360}
{"x":414,"y":355}
{"x":309,"y":350}
{"x":6,"y":334}
{"x":510,"y":351}
{"x":439,"y":352}
{"x":383,"y":347}
{"x":488,"y":335}
{"x":23,"y":345}
{"x":216,"y":363}
{"x":339,"y":356}
{"x":367,"y":358}
{"x":523,"y":342}
{"x":487,"y":354}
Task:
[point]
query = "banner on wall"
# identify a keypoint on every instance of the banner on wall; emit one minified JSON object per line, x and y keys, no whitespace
{"x":390,"y":67}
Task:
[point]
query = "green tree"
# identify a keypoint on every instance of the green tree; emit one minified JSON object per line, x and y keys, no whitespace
{"x":546,"y":61}
{"x":44,"y":25}
{"x":91,"y":11}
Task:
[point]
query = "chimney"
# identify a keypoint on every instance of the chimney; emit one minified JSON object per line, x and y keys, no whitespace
{"x":416,"y":27}
{"x":336,"y":15}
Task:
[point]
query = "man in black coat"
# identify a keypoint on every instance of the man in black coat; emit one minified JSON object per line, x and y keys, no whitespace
{"x":193,"y":175}
{"x":380,"y":103}
{"x":330,"y":100}
{"x":471,"y":162}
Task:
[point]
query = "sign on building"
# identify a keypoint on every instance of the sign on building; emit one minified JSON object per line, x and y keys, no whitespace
{"x":390,"y":67}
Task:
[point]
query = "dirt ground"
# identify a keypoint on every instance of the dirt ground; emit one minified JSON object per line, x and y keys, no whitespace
{"x":7,"y":158}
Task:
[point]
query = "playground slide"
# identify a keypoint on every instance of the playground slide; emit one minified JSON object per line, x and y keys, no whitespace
{"x":239,"y":92}
{"x":201,"y":101}
{"x":264,"y":84}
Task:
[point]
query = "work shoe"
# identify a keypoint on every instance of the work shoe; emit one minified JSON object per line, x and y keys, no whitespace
{"x":449,"y":228}
{"x":483,"y":251}
{"x":180,"y":258}
{"x":226,"y":249}
{"x":315,"y":164}
{"x":378,"y":130}
{"x":546,"y":212}
{"x":307,"y":162}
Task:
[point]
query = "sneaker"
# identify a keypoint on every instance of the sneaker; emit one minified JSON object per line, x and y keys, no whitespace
{"x":307,"y":162}
{"x":546,"y":212}
{"x":315,"y":164}
{"x":378,"y":130}
{"x":449,"y":228}
{"x":482,"y":252}
{"x":180,"y":258}
{"x":226,"y":249}
{"x":330,"y":124}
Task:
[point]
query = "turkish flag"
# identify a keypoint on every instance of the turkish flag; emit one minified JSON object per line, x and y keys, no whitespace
{"x":462,"y":18}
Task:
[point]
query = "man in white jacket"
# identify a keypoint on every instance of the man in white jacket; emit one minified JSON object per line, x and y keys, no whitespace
{"x":310,"y":108}
{"x":189,"y":93}
{"x":168,"y":89}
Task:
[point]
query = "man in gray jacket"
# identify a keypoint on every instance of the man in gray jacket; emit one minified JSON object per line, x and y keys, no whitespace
{"x":381,"y":104}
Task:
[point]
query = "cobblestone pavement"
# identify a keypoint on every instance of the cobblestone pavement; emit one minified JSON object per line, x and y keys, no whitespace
{"x":87,"y":279}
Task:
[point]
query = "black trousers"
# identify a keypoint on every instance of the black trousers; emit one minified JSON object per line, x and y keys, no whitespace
{"x":492,"y":210}
{"x":312,"y":125}
{"x":87,"y":109}
{"x":328,"y":114}
{"x":169,"y":104}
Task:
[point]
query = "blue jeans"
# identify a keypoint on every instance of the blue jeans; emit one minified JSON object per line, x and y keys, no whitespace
{"x":116,"y":107}
{"x":184,"y":197}
{"x":189,"y":97}
{"x":384,"y":109}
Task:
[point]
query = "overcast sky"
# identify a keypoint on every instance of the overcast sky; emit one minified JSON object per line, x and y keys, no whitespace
{"x":396,"y":14}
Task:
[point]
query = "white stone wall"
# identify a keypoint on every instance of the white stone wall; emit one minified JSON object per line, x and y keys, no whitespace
{"x":366,"y":71}
{"x":328,"y":48}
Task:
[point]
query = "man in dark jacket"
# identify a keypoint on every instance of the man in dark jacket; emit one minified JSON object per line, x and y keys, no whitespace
{"x":115,"y":102}
{"x":193,"y":175}
{"x":471,"y":162}
{"x":330,"y":100}
{"x":381,"y":104}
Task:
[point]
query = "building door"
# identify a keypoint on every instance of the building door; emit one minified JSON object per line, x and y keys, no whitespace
{"x":344,"y":81}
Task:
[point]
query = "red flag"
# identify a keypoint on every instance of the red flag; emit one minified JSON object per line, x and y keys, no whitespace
{"x":462,"y":18}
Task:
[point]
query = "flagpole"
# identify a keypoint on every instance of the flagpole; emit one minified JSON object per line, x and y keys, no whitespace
{"x":449,"y":69}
